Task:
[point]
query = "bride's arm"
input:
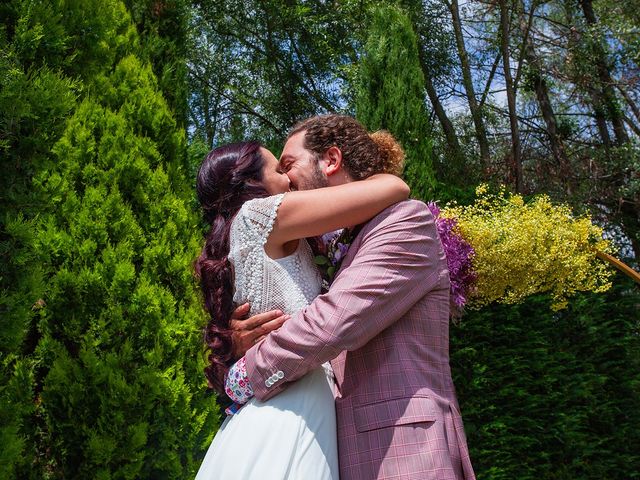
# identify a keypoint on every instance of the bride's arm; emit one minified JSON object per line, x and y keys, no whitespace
{"x":398,"y":262}
{"x":314,"y":212}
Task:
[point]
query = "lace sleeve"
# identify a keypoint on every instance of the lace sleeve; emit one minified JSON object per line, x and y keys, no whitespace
{"x":249,"y":232}
{"x":259,"y":215}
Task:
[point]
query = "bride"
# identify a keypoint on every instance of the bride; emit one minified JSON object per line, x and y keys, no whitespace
{"x":256,"y":252}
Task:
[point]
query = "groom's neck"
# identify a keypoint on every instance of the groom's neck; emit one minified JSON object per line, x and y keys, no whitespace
{"x":339,"y":178}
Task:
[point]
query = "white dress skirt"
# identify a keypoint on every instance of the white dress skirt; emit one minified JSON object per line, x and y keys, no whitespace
{"x":292,"y":435}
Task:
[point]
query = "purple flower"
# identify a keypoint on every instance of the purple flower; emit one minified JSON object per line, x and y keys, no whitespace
{"x":459,"y":254}
{"x":330,"y":237}
{"x":340,"y":252}
{"x":435,"y":210}
{"x":332,"y":252}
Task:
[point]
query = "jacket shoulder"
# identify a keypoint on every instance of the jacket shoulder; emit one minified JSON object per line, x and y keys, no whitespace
{"x":412,"y":211}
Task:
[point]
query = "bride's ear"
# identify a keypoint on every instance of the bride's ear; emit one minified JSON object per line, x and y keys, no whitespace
{"x":333,"y":159}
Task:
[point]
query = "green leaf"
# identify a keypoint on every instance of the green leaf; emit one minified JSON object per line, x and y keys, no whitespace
{"x":321,"y":260}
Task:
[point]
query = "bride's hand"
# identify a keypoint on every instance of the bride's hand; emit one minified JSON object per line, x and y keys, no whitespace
{"x":246,"y":333}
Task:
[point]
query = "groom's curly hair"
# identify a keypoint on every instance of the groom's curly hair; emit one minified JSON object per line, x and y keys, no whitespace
{"x":363,"y":154}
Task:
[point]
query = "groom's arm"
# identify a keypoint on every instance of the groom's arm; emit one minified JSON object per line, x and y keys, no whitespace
{"x":396,"y":265}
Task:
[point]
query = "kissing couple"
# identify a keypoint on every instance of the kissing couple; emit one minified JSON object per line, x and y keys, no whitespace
{"x":353,"y":383}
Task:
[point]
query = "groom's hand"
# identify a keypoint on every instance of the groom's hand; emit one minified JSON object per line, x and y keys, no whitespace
{"x":246,"y":332}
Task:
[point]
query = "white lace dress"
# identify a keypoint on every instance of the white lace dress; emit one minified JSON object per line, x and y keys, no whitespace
{"x":292,"y":435}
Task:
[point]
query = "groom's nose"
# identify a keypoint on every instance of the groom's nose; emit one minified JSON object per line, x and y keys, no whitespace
{"x":292,"y":184}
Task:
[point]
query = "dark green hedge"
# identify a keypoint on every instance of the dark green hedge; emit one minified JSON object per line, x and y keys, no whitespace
{"x":552,"y":395}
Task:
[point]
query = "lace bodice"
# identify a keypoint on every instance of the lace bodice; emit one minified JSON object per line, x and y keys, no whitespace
{"x":288,"y":283}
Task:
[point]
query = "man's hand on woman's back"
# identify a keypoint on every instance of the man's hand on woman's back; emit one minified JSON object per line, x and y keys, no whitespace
{"x":246,"y":332}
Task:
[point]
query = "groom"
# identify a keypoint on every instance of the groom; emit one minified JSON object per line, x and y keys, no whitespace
{"x":384,"y":324}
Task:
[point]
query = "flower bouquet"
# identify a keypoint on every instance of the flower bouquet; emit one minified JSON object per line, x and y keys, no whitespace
{"x":503,"y":249}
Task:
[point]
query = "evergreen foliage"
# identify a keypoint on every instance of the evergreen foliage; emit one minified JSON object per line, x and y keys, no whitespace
{"x":101,"y":343}
{"x":552,"y":395}
{"x":390,"y":93}
{"x":35,"y":98}
{"x":163,"y":28}
{"x":120,"y":335}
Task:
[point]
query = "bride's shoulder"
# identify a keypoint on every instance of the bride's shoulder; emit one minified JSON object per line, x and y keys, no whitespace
{"x":265,"y":206}
{"x":256,"y":216}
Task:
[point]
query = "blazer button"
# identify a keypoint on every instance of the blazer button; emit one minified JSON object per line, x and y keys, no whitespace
{"x":274,"y":378}
{"x":280,"y":374}
{"x":268,"y":382}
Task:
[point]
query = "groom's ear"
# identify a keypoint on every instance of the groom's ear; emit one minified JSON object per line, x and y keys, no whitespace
{"x":333,"y":159}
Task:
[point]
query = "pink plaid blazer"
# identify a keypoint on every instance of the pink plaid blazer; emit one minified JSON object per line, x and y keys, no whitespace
{"x":385,"y":325}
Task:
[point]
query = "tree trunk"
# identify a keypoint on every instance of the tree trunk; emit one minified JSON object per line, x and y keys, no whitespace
{"x":606,"y":82}
{"x":511,"y":96}
{"x":447,"y":127}
{"x":209,"y":124}
{"x":600,"y":116}
{"x":595,"y":97}
{"x":476,"y":114}
{"x":632,"y":105}
{"x":635,"y":128}
{"x":544,"y":103}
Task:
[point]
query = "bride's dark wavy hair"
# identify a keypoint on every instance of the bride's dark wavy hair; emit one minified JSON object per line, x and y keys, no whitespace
{"x":228,"y":177}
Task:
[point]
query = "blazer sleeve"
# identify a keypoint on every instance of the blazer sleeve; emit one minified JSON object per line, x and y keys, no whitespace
{"x":399,"y":260}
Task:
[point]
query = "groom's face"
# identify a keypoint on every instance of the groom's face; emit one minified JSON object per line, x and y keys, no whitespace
{"x":301,"y":165}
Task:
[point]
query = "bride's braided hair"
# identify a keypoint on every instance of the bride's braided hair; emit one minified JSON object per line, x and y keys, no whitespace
{"x":228,"y":177}
{"x":363,"y":154}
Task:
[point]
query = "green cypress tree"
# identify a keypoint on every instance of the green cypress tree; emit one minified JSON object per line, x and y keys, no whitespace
{"x":390,"y":93}
{"x":35,"y":99}
{"x":122,"y":393}
{"x":101,"y":354}
{"x":162,"y":27}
